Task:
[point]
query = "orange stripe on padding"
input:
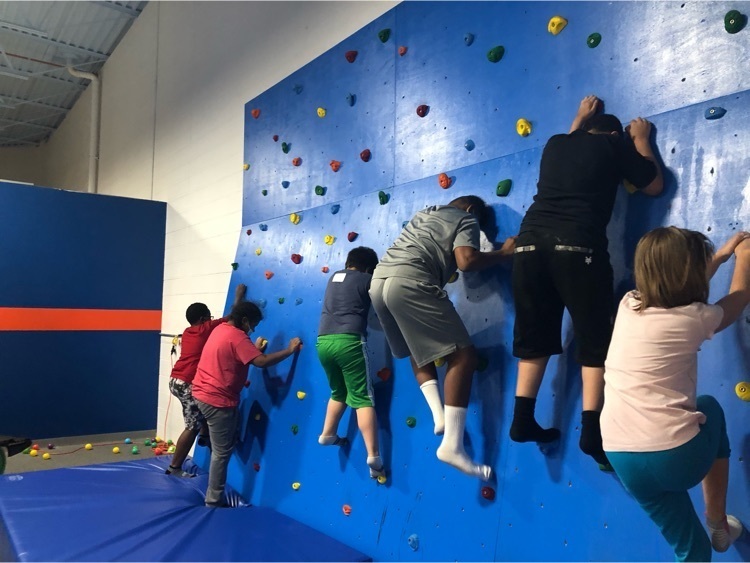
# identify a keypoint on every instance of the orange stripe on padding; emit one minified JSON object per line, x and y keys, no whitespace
{"x":33,"y":318}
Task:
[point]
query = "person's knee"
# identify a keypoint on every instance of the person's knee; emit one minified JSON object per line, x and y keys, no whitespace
{"x":464,"y":358}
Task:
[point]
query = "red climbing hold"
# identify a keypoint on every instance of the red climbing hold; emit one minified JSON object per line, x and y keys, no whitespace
{"x":352,"y":236}
{"x":444,"y":180}
{"x":249,"y":231}
{"x":247,"y":383}
{"x":384,"y":374}
{"x":488,"y":493}
{"x":325,"y":269}
{"x":365,"y":155}
{"x":275,"y":138}
{"x":256,"y":466}
{"x":402,"y":50}
{"x":296,"y":258}
{"x":335,"y":165}
{"x":255,"y":113}
{"x":296,"y":161}
{"x":269,"y":274}
{"x":423,"y":110}
{"x":351,"y":56}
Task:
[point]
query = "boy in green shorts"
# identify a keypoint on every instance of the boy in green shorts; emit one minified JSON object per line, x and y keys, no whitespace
{"x":342,"y":351}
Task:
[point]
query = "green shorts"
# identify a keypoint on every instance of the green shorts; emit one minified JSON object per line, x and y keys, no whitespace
{"x":344,"y":360}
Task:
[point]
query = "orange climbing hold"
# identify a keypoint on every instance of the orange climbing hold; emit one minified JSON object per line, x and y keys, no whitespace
{"x":325,"y":269}
{"x":296,"y":161}
{"x":269,"y":274}
{"x":365,"y":155}
{"x":346,"y":509}
{"x":351,"y":56}
{"x":256,"y":466}
{"x":444,"y":180}
{"x":402,"y":50}
{"x":255,"y":113}
{"x":335,"y":165}
{"x":296,"y":258}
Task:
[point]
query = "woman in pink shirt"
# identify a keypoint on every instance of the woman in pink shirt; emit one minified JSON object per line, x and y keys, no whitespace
{"x":660,"y":438}
{"x":220,"y":377}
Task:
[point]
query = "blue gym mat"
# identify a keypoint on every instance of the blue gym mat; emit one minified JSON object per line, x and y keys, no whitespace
{"x":132,"y":511}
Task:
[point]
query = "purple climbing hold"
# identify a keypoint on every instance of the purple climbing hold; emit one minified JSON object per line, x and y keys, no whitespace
{"x":469,"y":39}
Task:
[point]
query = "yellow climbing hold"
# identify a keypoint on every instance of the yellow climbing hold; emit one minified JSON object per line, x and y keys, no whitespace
{"x":556,"y":24}
{"x":453,"y":277}
{"x":258,"y":251}
{"x":382,"y":479}
{"x":743,"y":390}
{"x":523,"y":127}
{"x":630,"y":188}
{"x":329,"y":239}
{"x":296,"y":486}
{"x":440,"y":362}
{"x":294,"y":218}
{"x":246,"y":166}
{"x":301,"y":395}
{"x":321,"y":112}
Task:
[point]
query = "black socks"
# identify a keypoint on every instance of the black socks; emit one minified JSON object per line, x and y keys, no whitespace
{"x":591,"y":437}
{"x":525,"y":427}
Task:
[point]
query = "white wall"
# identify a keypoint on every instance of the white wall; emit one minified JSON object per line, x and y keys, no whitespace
{"x":173,"y":96}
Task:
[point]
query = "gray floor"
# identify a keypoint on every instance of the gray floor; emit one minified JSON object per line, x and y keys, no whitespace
{"x":70,"y":451}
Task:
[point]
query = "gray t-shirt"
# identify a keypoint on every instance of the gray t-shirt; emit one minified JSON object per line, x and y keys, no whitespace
{"x":346,"y":304}
{"x":424,"y":250}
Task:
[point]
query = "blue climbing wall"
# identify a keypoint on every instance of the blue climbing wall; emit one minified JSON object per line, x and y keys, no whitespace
{"x":666,"y":61}
{"x":82,"y":253}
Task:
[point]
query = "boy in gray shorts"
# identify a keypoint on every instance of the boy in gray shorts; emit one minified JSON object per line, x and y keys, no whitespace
{"x":420,"y":321}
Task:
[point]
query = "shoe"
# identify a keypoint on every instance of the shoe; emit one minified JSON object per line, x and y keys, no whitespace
{"x":218,"y":505}
{"x":178,"y":472}
{"x":724,"y":535}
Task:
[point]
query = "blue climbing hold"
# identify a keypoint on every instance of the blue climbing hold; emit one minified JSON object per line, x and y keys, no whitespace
{"x":413,"y":541}
{"x":715,"y":113}
{"x":403,"y":225}
{"x":263,"y":227}
{"x":298,"y":301}
{"x":469,"y":145}
{"x":285,"y":184}
{"x":262,"y":303}
{"x":335,"y":208}
{"x":469,"y":39}
{"x":297,"y":88}
{"x":351,"y":99}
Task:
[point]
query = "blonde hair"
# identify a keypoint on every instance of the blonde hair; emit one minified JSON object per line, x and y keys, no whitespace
{"x":671,"y":268}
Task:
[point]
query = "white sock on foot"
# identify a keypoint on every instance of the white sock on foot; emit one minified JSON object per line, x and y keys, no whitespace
{"x":375,"y":463}
{"x":724,"y":533}
{"x":451,"y":450}
{"x":329,"y":440}
{"x":431,"y":392}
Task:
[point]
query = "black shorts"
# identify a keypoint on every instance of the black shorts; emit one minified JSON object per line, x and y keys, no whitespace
{"x":550,"y":275}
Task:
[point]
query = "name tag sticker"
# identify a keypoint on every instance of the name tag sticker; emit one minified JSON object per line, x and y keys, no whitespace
{"x":338,"y":277}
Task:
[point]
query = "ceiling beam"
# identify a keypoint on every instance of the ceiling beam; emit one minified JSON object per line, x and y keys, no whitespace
{"x":6,"y":28}
{"x":13,"y":123}
{"x":21,"y":141}
{"x":132,"y":12}
{"x":15,"y":102}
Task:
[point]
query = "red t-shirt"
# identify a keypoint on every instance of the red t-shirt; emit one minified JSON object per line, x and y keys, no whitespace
{"x":222,"y":369}
{"x":193,"y":340}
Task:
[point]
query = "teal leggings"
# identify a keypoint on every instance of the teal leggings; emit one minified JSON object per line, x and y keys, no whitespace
{"x":660,"y":481}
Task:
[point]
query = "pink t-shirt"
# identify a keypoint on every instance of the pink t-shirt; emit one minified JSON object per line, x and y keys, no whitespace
{"x":222,"y":369}
{"x":651,"y":376}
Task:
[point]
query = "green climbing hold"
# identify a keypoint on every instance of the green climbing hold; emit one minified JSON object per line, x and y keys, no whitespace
{"x":320,"y":190}
{"x":495,"y":54}
{"x":503,"y":187}
{"x":383,"y":197}
{"x":295,"y":429}
{"x":734,"y":21}
{"x":593,"y":40}
{"x":281,"y":300}
{"x":411,"y":422}
{"x":285,"y":147}
{"x":27,"y":450}
{"x":264,"y":192}
{"x":384,"y":35}
{"x":235,"y":265}
{"x":482,"y":363}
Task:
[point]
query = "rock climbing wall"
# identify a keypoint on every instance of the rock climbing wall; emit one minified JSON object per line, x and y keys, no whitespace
{"x":414,"y":94}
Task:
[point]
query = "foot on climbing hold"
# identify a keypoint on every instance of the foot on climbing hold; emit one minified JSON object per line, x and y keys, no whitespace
{"x":462,"y":462}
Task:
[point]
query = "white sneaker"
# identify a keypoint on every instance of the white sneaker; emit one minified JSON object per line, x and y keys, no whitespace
{"x":725,"y":534}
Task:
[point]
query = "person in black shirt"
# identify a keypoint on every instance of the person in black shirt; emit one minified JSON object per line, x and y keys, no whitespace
{"x":561,"y":261}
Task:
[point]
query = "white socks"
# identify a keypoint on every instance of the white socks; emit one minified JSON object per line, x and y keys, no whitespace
{"x":331,"y":441}
{"x":431,"y":393}
{"x":375,"y":463}
{"x":451,"y":450}
{"x":724,"y":533}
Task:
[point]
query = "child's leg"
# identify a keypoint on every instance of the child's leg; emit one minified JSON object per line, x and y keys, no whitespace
{"x":329,"y":349}
{"x":334,"y":412}
{"x":593,"y":401}
{"x":524,"y":427}
{"x":203,"y":438}
{"x":461,"y":366}
{"x":222,"y":427}
{"x":428,"y":384}
{"x":367,"y":421}
{"x":193,"y":420}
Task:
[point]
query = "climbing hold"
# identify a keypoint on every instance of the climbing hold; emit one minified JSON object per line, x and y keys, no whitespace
{"x":294,"y":218}
{"x":285,"y":184}
{"x":258,"y":251}
{"x":26,"y":451}
{"x":444,"y":180}
{"x":301,"y":395}
{"x":453,"y":277}
{"x":255,"y":113}
{"x":351,"y":56}
{"x":469,"y":145}
{"x":411,"y":422}
{"x":275,"y":138}
{"x":128,"y":441}
{"x":503,"y":187}
{"x":384,"y":35}
{"x":743,"y":390}
{"x":256,"y":466}
{"x":264,"y":192}
{"x":352,"y":236}
{"x":335,"y":165}
{"x":384,"y":374}
{"x":440,"y":362}
{"x":262,"y":302}
{"x":135,"y":450}
{"x":382,"y":479}
{"x":269,"y":274}
{"x":556,"y":24}
{"x":320,"y":190}
{"x":246,"y":166}
{"x":263,"y":227}
{"x":495,"y":54}
{"x":88,"y":447}
{"x":383,"y":197}
{"x":629,"y":187}
{"x":263,"y":344}
{"x":33,"y":453}
{"x":715,"y":113}
{"x":402,"y":50}
{"x":346,"y":509}
{"x":257,"y":416}
{"x":321,"y":112}
{"x":413,"y":541}
{"x":325,"y":269}
{"x":423,"y":110}
{"x":488,"y":493}
{"x":115,"y":450}
{"x":469,"y":39}
{"x":296,"y":161}
{"x":295,"y":429}
{"x":172,"y":449}
{"x":403,"y":225}
{"x":482,"y":363}
{"x":351,"y":99}
{"x":335,"y":208}
{"x":523,"y":127}
{"x":249,"y":232}
{"x":46,"y":456}
{"x":593,"y":40}
{"x":329,"y":239}
{"x":298,"y":301}
{"x":296,"y":258}
{"x":281,"y":300}
{"x":296,"y":486}
{"x":235,"y":265}
{"x":365,"y":155}
{"x":734,"y":21}
{"x":285,"y":147}
{"x":297,"y":88}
